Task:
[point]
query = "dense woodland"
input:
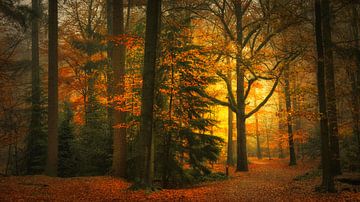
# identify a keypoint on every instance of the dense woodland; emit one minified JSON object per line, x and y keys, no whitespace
{"x":168,"y":94}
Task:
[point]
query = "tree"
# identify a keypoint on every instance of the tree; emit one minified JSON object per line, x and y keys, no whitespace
{"x":249,"y":47}
{"x":67,"y":163}
{"x":147,"y":100}
{"x":327,"y":176}
{"x":257,"y":133}
{"x":118,"y":65}
{"x":36,"y":147}
{"x":52,"y":156}
{"x":356,"y":77}
{"x":330,"y":87}
{"x":289,"y":119}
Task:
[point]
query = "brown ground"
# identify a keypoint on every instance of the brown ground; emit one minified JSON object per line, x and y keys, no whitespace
{"x":268,"y":180}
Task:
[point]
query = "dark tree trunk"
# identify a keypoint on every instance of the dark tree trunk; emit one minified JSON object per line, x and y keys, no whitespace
{"x":327,"y":177}
{"x":330,"y":87}
{"x":289,"y":120}
{"x":356,"y":79}
{"x":118,"y":65}
{"x":258,"y":146}
{"x":281,"y":128}
{"x":241,"y":162}
{"x":110,"y":72}
{"x":34,"y":153}
{"x":147,"y":100}
{"x":52,"y":158}
{"x":230,"y":157}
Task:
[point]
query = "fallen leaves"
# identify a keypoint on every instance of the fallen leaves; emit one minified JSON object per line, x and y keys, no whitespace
{"x":266,"y":181}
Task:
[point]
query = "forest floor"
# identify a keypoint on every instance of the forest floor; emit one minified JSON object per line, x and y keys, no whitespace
{"x":267,"y":180}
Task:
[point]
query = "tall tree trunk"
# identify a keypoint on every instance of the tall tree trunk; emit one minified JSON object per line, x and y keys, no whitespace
{"x":258,"y":146}
{"x":52,"y":157}
{"x":230,"y":157}
{"x":110,"y":72}
{"x":330,"y":87}
{"x":241,"y":162}
{"x":289,"y":120}
{"x":268,"y":144}
{"x":280,"y":129}
{"x":147,"y":100}
{"x":327,"y":178}
{"x":297,"y":110}
{"x":35,"y":123}
{"x":356,"y":79}
{"x":118,"y":65}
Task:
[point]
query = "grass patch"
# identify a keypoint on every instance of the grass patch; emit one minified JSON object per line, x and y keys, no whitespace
{"x":216,"y":176}
{"x":309,"y":175}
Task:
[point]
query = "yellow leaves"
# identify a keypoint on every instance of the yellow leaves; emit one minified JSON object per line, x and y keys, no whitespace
{"x":98,"y":57}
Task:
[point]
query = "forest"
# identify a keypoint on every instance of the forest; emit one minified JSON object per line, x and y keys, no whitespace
{"x":179,"y":100}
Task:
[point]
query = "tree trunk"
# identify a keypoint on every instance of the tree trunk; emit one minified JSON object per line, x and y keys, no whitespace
{"x":35,"y":123}
{"x":330,"y":87}
{"x":327,"y":177}
{"x":110,"y":72}
{"x":52,"y":157}
{"x":147,"y":100}
{"x":289,"y":120}
{"x":241,"y":163}
{"x":258,"y":146}
{"x":280,"y":129}
{"x":118,"y":65}
{"x":356,"y":80}
{"x":230,"y":157}
{"x":268,"y":144}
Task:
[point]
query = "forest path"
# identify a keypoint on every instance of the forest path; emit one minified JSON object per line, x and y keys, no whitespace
{"x":267,"y":180}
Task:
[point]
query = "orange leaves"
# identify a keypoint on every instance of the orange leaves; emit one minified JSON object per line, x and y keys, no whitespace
{"x":131,"y":42}
{"x":267,"y":180}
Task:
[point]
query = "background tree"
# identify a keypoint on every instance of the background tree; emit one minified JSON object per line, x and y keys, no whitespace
{"x":52,"y":156}
{"x":147,"y":101}
{"x":118,"y":65}
{"x":327,"y":176}
{"x":67,"y":166}
{"x":36,"y":141}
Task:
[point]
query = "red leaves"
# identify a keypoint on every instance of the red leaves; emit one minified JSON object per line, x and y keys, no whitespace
{"x":266,"y":181}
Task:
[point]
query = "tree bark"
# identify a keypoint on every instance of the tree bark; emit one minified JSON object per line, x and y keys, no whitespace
{"x":258,"y":146}
{"x":241,"y":162}
{"x":230,"y":157}
{"x":118,"y":66}
{"x":52,"y":157}
{"x":356,"y":78}
{"x":109,"y":72}
{"x":35,"y":123}
{"x":289,"y":120}
{"x":280,"y":129}
{"x":327,"y":177}
{"x":147,"y":100}
{"x":330,"y":87}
